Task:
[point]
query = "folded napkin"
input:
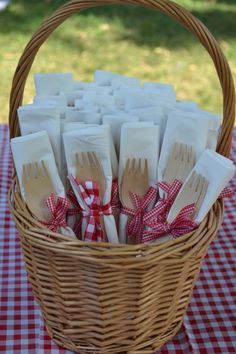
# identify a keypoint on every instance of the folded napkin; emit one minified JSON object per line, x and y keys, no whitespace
{"x":92,"y":139}
{"x":104,"y":77}
{"x":33,"y":118}
{"x":31,"y":148}
{"x":183,"y":127}
{"x":214,"y":128}
{"x":71,"y":96}
{"x":122,"y":93}
{"x":85,"y":86}
{"x":186,"y":105}
{"x":158,"y":86}
{"x":72,"y":114}
{"x":89,"y":117}
{"x":151,"y":114}
{"x":83,"y":105}
{"x":35,"y":148}
{"x":163,"y":98}
{"x":138,"y":140}
{"x":53,"y":83}
{"x":125,"y":81}
{"x":115,"y":121}
{"x":72,"y":126}
{"x":60,"y":102}
{"x":218,"y":170}
{"x":139,"y":100}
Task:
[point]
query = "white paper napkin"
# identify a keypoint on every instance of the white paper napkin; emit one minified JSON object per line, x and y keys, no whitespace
{"x":152,"y":114}
{"x":121,"y":94}
{"x":71,"y":96}
{"x":115,"y":121}
{"x":218,"y":170}
{"x":53,"y":83}
{"x":125,"y":81}
{"x":183,"y":127}
{"x":138,"y":140}
{"x":35,"y":148}
{"x":31,"y":148}
{"x":33,"y":118}
{"x":93,"y":139}
{"x":186,"y":105}
{"x":104,"y":77}
{"x":60,"y":102}
{"x":158,"y":86}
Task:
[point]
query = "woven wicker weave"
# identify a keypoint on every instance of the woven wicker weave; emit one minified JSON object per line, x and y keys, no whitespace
{"x":104,"y":298}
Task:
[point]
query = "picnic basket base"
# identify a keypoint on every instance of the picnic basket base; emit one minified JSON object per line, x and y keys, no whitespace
{"x":105,"y":298}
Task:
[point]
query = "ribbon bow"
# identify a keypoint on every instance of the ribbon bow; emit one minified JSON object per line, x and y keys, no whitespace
{"x":58,"y":207}
{"x":75,"y":211}
{"x":89,"y":191}
{"x":182,"y":224}
{"x":161,"y":210}
{"x":135,"y":225}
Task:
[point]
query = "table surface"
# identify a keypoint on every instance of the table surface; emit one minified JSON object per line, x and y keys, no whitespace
{"x":208,"y":327}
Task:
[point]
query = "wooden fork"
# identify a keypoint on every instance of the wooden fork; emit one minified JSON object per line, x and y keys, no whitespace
{"x":194,"y":191}
{"x":89,"y":168}
{"x":135,"y":179}
{"x":38,"y":186}
{"x":180,"y":162}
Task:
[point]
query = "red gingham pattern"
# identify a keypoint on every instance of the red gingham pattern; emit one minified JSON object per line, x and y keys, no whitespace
{"x":75,"y":212}
{"x":181,"y":225}
{"x":58,"y":207}
{"x":135,"y":226}
{"x":89,"y":191}
{"x":163,"y":205}
{"x":115,"y":200}
{"x":209,"y":326}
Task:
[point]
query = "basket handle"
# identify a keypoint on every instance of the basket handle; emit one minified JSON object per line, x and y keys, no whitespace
{"x":165,"y":6}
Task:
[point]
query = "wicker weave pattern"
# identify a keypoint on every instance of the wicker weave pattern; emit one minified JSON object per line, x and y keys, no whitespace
{"x":106,"y":298}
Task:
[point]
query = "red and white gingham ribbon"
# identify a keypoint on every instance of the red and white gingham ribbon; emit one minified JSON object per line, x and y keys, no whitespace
{"x":58,"y":207}
{"x":115,"y":201}
{"x":160,"y":211}
{"x":226,"y":193}
{"x":135,"y":225}
{"x":76,"y":211}
{"x":181,"y":225}
{"x":89,"y":192}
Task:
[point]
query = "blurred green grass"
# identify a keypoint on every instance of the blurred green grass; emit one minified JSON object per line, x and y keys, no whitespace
{"x":127,"y":39}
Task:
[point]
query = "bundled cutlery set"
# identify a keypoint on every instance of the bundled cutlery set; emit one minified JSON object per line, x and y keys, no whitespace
{"x":117,"y":161}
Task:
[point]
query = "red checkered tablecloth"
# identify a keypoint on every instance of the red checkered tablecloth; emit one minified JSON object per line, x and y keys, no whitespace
{"x":209,"y":325}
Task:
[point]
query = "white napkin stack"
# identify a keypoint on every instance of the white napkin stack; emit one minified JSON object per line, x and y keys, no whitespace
{"x":33,"y":118}
{"x":186,"y":128}
{"x":138,"y":140}
{"x":93,"y":139}
{"x":53,"y":83}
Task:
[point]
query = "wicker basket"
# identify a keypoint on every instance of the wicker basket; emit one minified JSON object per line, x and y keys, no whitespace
{"x":105,"y":298}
